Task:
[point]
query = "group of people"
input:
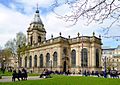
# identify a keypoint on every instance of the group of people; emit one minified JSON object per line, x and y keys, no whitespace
{"x":45,"y":74}
{"x":110,"y":73}
{"x":20,"y":75}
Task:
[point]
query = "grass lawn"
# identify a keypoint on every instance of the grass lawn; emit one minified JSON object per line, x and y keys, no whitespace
{"x":6,"y":73}
{"x":67,"y":80}
{"x":10,"y":74}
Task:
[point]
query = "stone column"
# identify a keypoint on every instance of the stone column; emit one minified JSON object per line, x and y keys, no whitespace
{"x":59,"y":62}
{"x":88,"y":57}
{"x":38,"y":59}
{"x":32,"y":59}
{"x":93,"y":55}
{"x":44,"y":58}
{"x":23,"y":61}
{"x":77,"y":58}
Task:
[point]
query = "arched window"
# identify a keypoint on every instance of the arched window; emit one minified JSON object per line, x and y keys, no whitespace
{"x":31,"y":39}
{"x":39,"y":39}
{"x":55,"y":59}
{"x":26,"y":62}
{"x":73,"y":58}
{"x":41,"y":61}
{"x":97,"y":58}
{"x":48,"y":60}
{"x":84,"y":57}
{"x":35,"y":61}
{"x":20,"y":62}
{"x":30,"y":61}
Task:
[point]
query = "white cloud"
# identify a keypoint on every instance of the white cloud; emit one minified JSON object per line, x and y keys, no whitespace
{"x":13,"y":21}
{"x":54,"y":25}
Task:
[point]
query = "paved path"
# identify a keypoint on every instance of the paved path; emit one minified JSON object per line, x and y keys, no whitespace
{"x":9,"y":78}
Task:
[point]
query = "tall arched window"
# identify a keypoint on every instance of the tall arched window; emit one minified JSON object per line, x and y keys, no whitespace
{"x":26,"y":62}
{"x":97,"y":58}
{"x":73,"y":58}
{"x":31,"y":39}
{"x":48,"y":60}
{"x":41,"y":61}
{"x":84,"y":57}
{"x":35,"y":61}
{"x":30,"y":61}
{"x":39,"y":39}
{"x":55,"y":59}
{"x":20,"y":62}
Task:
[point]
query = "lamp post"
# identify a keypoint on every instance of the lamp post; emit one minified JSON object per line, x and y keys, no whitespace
{"x":18,"y":56}
{"x":105,"y":69}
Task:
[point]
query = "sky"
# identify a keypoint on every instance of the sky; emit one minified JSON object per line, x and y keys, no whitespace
{"x":16,"y":15}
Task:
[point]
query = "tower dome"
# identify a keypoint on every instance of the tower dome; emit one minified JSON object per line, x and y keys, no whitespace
{"x":36,"y":23}
{"x":37,"y":19}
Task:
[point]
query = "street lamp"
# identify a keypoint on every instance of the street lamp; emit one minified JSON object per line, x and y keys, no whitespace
{"x":18,"y":56}
{"x":105,"y":69}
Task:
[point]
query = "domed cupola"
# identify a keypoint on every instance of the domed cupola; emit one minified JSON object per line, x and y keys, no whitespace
{"x":37,"y":19}
{"x":36,"y":31}
{"x":36,"y":23}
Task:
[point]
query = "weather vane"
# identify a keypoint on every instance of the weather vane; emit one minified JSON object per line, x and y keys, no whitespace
{"x":37,"y":6}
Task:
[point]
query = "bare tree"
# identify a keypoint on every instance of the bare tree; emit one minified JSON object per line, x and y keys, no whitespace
{"x":17,"y":45}
{"x":91,"y":11}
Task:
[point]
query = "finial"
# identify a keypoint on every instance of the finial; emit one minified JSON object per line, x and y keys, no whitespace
{"x":60,"y":33}
{"x":52,"y":36}
{"x":99,"y":36}
{"x":37,"y":11}
{"x":78,"y":34}
{"x":45,"y":39}
{"x":37,"y":6}
{"x":93,"y":33}
{"x":69,"y":36}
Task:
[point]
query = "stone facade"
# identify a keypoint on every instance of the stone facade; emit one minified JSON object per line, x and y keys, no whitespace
{"x":59,"y":53}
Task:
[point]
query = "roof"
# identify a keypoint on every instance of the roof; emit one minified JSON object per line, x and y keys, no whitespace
{"x":37,"y":19}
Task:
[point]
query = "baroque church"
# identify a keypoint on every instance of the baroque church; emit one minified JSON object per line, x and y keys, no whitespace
{"x":60,"y":53}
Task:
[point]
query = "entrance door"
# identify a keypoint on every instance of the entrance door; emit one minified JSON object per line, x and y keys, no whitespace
{"x":64,"y":66}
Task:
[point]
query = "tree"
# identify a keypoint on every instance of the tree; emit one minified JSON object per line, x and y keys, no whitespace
{"x":5,"y":55}
{"x":17,"y":45}
{"x":20,"y":39}
{"x":91,"y":11}
{"x":11,"y":44}
{"x":14,"y":44}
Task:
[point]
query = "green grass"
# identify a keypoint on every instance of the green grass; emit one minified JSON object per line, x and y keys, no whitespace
{"x":10,"y":74}
{"x":33,"y":74}
{"x":6,"y":73}
{"x":68,"y":80}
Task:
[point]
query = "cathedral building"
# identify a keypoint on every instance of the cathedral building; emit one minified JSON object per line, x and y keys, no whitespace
{"x":60,"y":53}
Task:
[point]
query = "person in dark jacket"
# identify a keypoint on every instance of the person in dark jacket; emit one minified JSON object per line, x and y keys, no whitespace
{"x":15,"y":75}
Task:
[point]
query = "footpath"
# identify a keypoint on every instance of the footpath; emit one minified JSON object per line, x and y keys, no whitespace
{"x":9,"y":78}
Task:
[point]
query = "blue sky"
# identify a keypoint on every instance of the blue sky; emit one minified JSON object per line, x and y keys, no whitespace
{"x":16,"y":15}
